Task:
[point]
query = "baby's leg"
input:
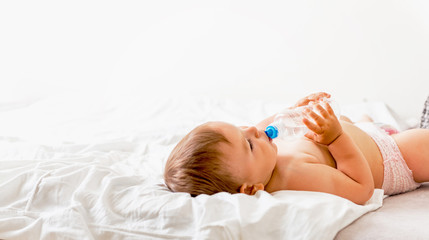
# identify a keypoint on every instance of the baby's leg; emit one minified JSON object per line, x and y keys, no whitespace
{"x":346,"y":119}
{"x":414,"y":146}
{"x":364,"y":118}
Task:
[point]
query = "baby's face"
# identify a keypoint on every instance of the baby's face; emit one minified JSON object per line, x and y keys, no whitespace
{"x":251,"y":156}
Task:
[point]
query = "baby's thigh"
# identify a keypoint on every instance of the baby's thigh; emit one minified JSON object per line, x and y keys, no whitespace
{"x":414,"y":146}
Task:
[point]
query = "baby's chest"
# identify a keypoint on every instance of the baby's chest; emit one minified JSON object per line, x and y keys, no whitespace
{"x":304,"y":150}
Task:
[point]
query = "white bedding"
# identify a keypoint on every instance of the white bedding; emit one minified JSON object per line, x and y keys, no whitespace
{"x":79,"y":167}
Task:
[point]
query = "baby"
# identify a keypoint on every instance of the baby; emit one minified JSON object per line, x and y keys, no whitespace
{"x":335,"y":156}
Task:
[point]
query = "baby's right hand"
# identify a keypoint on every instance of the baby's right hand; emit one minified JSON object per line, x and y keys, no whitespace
{"x":324,"y":128}
{"x":314,"y":97}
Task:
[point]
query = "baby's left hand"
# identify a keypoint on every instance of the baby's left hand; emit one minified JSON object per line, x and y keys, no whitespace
{"x":324,"y":127}
{"x":312,"y":98}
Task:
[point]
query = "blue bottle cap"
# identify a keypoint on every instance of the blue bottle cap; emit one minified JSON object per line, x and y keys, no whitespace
{"x":272,"y":132}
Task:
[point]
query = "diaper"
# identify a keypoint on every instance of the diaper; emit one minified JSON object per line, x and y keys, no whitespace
{"x":398,"y":178}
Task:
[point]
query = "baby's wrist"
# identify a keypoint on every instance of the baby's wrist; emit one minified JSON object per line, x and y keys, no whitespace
{"x":336,"y":138}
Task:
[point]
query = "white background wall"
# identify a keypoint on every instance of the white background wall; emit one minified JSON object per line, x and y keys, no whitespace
{"x":356,"y":50}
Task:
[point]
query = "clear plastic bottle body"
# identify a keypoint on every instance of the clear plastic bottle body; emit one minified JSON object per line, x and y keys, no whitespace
{"x":288,"y":123}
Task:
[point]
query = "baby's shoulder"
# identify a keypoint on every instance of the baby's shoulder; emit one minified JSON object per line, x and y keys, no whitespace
{"x":291,"y":171}
{"x":288,"y":169}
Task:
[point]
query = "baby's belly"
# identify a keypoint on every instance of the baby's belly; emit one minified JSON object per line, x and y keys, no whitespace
{"x":369,"y":149}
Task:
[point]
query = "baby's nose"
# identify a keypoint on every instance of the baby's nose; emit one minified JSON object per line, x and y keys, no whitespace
{"x":254,"y":130}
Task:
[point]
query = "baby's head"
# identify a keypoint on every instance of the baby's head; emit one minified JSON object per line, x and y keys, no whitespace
{"x":220,"y":157}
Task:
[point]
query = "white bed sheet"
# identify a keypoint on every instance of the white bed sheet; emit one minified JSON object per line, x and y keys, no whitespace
{"x":79,"y":167}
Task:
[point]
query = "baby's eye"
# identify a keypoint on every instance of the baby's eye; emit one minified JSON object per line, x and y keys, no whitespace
{"x":250,"y":144}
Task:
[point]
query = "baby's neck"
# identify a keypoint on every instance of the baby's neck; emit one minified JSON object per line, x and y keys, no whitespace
{"x":275,"y":183}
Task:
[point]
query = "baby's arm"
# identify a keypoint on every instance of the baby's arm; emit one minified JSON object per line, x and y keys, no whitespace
{"x":302,"y":102}
{"x":352,"y":179}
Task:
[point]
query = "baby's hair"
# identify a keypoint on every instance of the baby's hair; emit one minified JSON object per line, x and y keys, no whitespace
{"x":195,"y":165}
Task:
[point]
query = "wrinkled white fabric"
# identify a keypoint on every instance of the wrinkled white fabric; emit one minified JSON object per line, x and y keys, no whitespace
{"x":92,"y":169}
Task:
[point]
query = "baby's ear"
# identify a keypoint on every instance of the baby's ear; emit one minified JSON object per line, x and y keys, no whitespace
{"x":251,"y":189}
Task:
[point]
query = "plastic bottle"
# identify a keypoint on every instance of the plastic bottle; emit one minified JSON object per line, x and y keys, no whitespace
{"x":288,"y":123}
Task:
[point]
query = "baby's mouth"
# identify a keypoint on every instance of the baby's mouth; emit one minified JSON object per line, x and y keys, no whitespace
{"x":269,"y":139}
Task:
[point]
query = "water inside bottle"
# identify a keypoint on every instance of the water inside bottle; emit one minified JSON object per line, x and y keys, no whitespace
{"x":292,"y":125}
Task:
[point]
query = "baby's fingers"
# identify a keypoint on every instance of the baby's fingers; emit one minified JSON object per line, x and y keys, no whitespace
{"x":314,"y":97}
{"x":313,"y":115}
{"x":328,"y":108}
{"x":319,"y":95}
{"x":312,"y":126}
{"x":322,"y":111}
